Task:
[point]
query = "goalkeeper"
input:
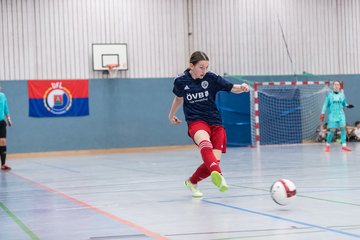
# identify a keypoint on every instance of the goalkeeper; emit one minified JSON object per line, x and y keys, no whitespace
{"x":335,"y":103}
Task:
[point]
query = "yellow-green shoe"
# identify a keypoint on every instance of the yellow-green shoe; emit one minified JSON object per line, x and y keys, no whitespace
{"x":193,"y":188}
{"x":219,"y":181}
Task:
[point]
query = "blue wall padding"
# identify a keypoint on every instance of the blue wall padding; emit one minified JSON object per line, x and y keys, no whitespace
{"x":134,"y":113}
{"x":235,"y":111}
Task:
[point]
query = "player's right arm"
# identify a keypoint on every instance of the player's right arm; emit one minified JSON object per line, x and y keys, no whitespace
{"x":323,"y":111}
{"x":177,"y":102}
{"x":6,"y":112}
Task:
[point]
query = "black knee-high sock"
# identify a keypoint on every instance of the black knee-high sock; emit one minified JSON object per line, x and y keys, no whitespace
{"x":3,"y":154}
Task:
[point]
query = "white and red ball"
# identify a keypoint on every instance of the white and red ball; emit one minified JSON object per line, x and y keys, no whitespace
{"x":283,"y":191}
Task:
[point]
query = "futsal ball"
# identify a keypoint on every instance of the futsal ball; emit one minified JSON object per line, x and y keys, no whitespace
{"x":283,"y":191}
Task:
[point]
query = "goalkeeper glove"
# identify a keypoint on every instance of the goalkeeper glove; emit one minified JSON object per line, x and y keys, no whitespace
{"x":350,"y":106}
{"x":322,"y":117}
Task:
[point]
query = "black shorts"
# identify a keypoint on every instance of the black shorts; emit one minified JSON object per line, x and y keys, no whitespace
{"x":3,"y":129}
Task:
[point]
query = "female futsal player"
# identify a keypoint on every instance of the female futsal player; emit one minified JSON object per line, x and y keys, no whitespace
{"x":196,"y":89}
{"x":335,"y":103}
{"x":4,"y":113}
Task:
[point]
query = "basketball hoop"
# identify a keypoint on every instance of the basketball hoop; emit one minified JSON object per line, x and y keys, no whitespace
{"x":112,"y":70}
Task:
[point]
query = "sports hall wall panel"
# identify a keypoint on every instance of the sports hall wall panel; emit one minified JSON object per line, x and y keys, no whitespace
{"x":248,"y":37}
{"x":46,"y":39}
{"x":122,"y":115}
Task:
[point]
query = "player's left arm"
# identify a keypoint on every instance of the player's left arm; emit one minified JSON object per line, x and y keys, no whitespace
{"x":225,"y":85}
{"x":345,"y":104}
{"x":240,"y":88}
{"x":9,"y":122}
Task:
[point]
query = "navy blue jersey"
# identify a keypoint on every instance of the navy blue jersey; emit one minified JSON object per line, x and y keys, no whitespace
{"x":199,"y":96}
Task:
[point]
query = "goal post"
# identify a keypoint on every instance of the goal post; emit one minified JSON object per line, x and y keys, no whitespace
{"x":287,"y":112}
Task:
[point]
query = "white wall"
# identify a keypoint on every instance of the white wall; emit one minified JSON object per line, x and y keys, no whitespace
{"x":51,"y":39}
{"x":44,"y":39}
{"x":244,"y":36}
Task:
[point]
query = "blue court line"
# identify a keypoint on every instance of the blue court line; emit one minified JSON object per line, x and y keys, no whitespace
{"x":310,"y":197}
{"x":284,"y":219}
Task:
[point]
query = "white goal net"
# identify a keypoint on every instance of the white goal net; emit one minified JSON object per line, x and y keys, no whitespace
{"x":287,"y":112}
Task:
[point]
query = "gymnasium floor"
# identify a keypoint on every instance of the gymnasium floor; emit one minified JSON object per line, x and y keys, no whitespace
{"x":141,"y":196}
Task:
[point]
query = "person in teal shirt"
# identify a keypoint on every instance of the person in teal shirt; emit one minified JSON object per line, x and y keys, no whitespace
{"x":4,"y":114}
{"x":335,"y":103}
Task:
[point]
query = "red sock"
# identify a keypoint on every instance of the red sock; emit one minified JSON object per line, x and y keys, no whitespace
{"x":210,"y":161}
{"x":201,"y":173}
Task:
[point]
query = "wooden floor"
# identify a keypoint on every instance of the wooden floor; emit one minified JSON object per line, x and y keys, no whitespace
{"x":140,"y":195}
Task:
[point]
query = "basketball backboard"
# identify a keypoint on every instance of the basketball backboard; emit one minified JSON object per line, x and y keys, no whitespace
{"x":105,"y":54}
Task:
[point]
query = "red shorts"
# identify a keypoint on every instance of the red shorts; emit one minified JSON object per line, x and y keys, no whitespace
{"x":217,"y":133}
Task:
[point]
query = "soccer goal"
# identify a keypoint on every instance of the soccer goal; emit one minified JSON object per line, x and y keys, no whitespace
{"x":287,"y":112}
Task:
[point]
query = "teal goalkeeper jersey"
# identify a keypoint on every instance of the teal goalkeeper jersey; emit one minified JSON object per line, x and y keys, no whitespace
{"x":4,"y":109}
{"x":335,"y":104}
